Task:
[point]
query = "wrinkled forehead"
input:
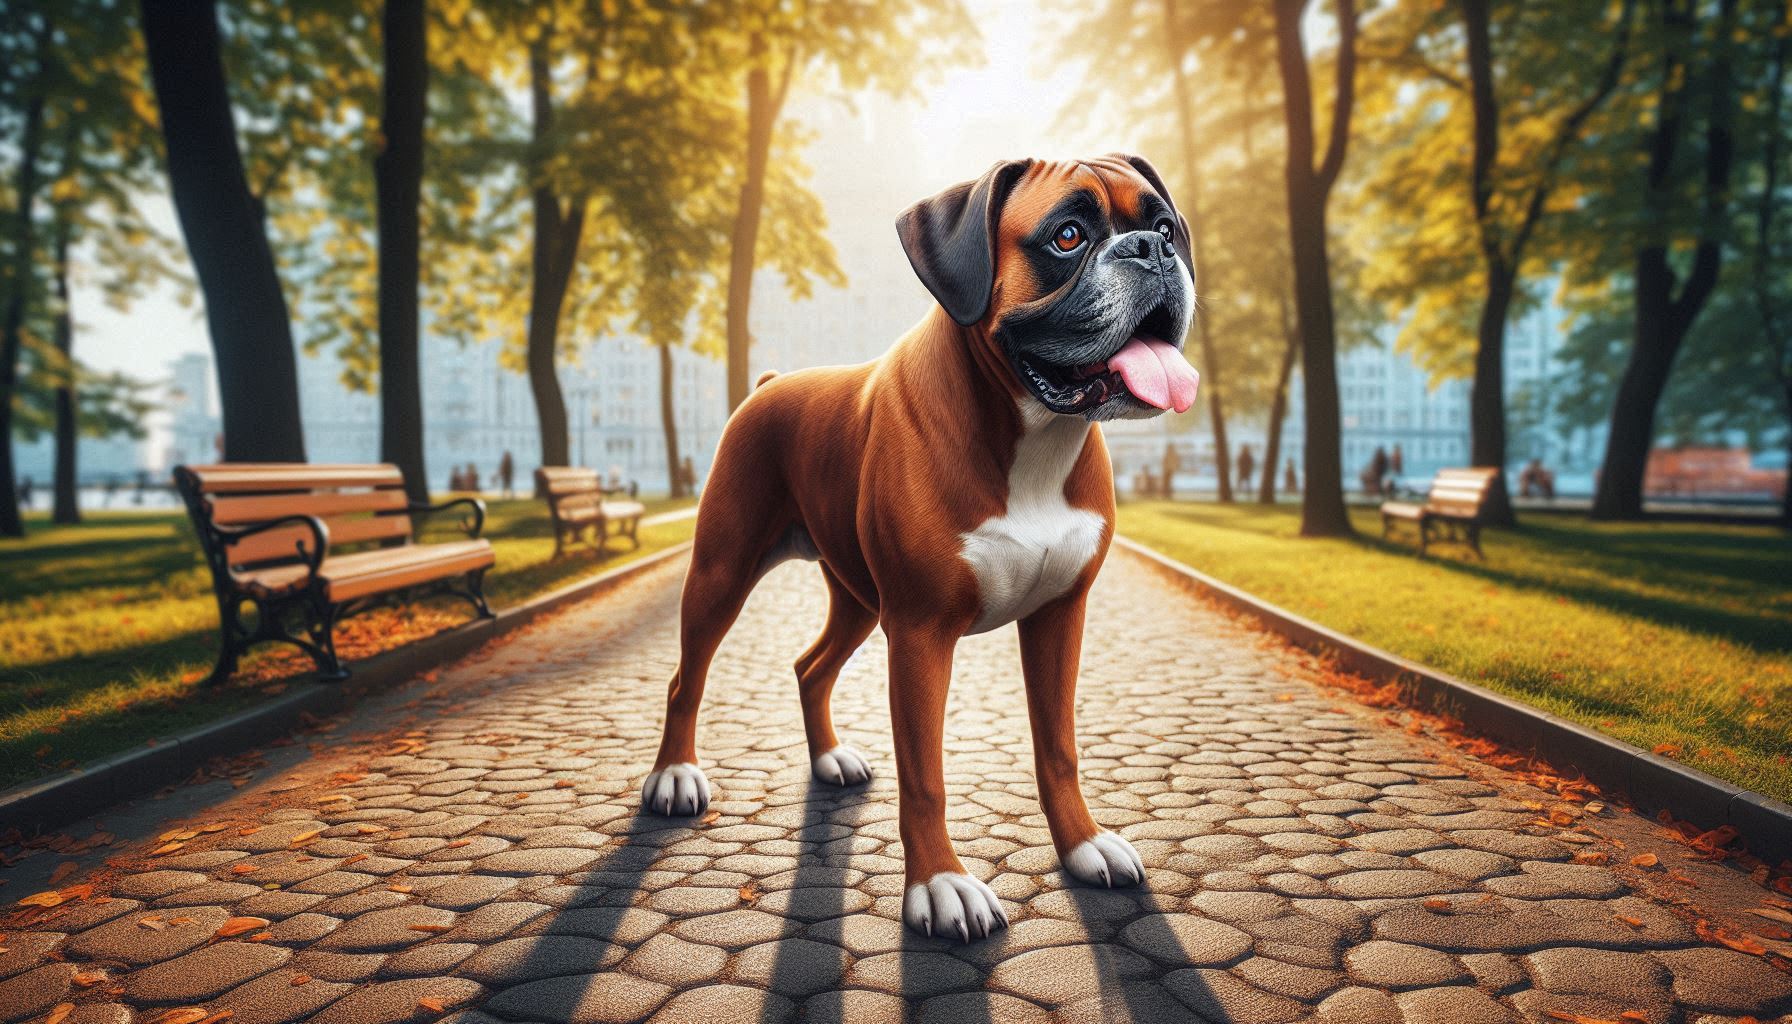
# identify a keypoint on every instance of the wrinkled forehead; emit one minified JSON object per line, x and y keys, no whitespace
{"x":1107,"y":188}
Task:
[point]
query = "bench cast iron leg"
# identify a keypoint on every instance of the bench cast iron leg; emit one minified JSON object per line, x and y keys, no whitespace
{"x":230,"y":641}
{"x":476,"y":593}
{"x":321,"y":625}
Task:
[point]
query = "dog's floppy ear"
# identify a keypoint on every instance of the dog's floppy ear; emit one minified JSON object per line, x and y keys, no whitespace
{"x":1143,"y":166}
{"x":951,"y":240}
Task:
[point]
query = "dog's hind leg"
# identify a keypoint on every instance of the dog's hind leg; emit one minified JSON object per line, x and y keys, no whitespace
{"x":733,"y":540}
{"x":849,"y":623}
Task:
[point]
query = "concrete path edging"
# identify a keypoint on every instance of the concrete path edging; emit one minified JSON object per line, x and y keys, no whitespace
{"x":1651,"y":782}
{"x":85,"y":789}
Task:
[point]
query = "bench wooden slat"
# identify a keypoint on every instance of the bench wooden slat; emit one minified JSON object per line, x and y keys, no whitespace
{"x":559,"y":481}
{"x":1456,"y":495}
{"x":370,"y":572}
{"x":1402,"y":510}
{"x":344,"y":531}
{"x":249,"y":478}
{"x":246,"y":509}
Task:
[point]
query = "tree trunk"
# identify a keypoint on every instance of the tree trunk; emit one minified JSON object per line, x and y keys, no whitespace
{"x":1786,"y":495}
{"x":1659,"y":332}
{"x":1662,"y":318}
{"x":67,"y":509}
{"x":398,"y":179}
{"x":1210,"y":368}
{"x":1487,"y":396}
{"x":556,"y":251}
{"x":258,"y":377}
{"x":12,"y":324}
{"x":669,"y":423}
{"x":763,"y":106}
{"x":1278,"y":411}
{"x":1323,"y":513}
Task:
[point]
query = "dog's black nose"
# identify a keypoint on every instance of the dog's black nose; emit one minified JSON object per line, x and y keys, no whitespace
{"x":1146,"y":247}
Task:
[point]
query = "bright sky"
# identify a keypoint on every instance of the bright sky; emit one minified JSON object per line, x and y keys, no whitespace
{"x":973,"y":117}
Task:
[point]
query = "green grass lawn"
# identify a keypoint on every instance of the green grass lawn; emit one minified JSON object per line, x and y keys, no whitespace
{"x":1653,"y":633}
{"x":108,"y":628}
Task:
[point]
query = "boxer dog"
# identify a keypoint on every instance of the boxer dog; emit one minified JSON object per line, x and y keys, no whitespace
{"x":952,"y":486}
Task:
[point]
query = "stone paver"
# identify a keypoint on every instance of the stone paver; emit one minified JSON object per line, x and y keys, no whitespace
{"x":473,"y":852}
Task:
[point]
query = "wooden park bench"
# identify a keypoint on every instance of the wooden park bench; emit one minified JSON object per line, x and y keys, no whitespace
{"x":1457,"y":501}
{"x":577,"y":502}
{"x":319,"y":542}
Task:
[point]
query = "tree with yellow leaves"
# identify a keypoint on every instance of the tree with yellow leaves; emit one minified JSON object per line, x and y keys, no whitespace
{"x":842,"y":47}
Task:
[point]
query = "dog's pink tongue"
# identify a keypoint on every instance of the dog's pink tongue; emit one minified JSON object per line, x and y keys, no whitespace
{"x":1156,"y":373}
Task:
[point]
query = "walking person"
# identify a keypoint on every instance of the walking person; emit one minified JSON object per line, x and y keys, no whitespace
{"x":1290,"y":482}
{"x":1376,"y":471}
{"x":1247,"y":464}
{"x":1172,"y":463}
{"x":507,"y":476}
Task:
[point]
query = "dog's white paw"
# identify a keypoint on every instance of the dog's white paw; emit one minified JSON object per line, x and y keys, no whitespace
{"x":953,"y":905}
{"x":677,"y":789}
{"x":1105,"y":859}
{"x":842,"y":766}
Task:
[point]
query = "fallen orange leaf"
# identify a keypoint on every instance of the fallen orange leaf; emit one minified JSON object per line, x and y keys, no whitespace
{"x":356,"y":859}
{"x":432,"y":1004}
{"x":63,"y":870}
{"x":239,"y":925}
{"x":51,"y":898}
{"x":59,"y":1013}
{"x":244,"y":869}
{"x":1634,"y":922}
{"x":304,"y":837}
{"x":1645,"y":860}
{"x":458,"y":843}
{"x":162,"y":851}
{"x":1592,"y":857}
{"x":1437,"y":904}
{"x":431,"y":927}
{"x":182,"y":1015}
{"x":300,"y":979}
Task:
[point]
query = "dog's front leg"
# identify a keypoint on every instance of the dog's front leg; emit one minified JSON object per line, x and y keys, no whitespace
{"x":939,"y":897}
{"x":1051,"y":645}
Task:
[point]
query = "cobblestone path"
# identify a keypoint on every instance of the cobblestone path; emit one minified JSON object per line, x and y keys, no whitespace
{"x":474,"y":853}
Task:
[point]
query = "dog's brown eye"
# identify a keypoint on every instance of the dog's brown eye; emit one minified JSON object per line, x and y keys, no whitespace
{"x":1069,"y":236}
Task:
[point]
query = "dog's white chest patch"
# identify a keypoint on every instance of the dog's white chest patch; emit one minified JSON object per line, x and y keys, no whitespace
{"x":1038,"y":547}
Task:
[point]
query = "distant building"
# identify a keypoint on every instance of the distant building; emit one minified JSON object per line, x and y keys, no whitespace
{"x":476,"y":409}
{"x":194,"y":426}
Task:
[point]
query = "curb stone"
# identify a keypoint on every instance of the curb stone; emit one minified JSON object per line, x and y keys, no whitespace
{"x":1651,"y":782}
{"x":71,"y":795}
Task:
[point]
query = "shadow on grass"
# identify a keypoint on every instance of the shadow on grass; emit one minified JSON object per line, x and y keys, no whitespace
{"x":1699,"y":566}
{"x":145,"y":555}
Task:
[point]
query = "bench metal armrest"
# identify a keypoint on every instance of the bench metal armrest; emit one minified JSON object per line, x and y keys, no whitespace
{"x":320,"y":532}
{"x":472,"y":524}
